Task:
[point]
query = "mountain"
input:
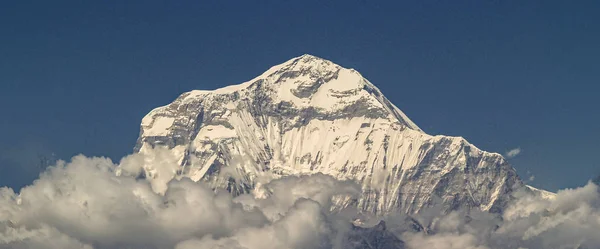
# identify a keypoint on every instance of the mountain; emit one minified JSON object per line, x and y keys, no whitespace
{"x":374,"y":237}
{"x":540,"y":193}
{"x":309,"y":115}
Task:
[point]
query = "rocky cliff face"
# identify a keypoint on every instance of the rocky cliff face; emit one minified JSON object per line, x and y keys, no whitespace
{"x":310,"y":115}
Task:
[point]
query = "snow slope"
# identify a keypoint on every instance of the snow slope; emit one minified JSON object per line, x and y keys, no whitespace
{"x":310,"y":115}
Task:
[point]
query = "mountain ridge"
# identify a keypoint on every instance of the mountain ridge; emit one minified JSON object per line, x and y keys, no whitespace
{"x":309,"y":115}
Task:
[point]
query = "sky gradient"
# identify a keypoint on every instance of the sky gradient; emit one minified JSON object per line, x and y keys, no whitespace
{"x":77,"y":77}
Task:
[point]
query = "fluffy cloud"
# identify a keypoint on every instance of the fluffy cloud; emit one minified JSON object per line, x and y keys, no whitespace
{"x":513,"y":153}
{"x":86,"y":204}
{"x":571,"y":219}
{"x":444,"y":240}
{"x":304,"y":226}
{"x":93,"y":203}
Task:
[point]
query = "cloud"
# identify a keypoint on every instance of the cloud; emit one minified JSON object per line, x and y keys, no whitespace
{"x":570,"y":220}
{"x":85,"y":203}
{"x":513,"y":153}
{"x":444,"y":240}
{"x":304,"y":226}
{"x":94,"y":203}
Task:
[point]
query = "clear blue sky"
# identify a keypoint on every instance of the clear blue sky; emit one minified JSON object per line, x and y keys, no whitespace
{"x":78,"y":76}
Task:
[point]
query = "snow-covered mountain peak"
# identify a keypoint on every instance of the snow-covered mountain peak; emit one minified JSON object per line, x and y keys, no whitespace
{"x":311,"y":62}
{"x":309,"y":115}
{"x":311,"y":84}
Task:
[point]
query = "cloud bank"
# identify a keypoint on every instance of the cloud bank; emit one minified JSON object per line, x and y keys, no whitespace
{"x":84,"y":204}
{"x":94,"y":203}
{"x":571,"y":219}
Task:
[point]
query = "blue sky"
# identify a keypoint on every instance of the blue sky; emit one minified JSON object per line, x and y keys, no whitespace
{"x":77,"y":77}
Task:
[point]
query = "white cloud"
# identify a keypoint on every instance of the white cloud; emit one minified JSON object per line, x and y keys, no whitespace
{"x":85,"y":204}
{"x":443,"y":241}
{"x":570,"y":220}
{"x":513,"y":153}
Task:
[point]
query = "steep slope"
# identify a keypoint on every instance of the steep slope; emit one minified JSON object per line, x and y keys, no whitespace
{"x":540,"y":192}
{"x":310,"y":115}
